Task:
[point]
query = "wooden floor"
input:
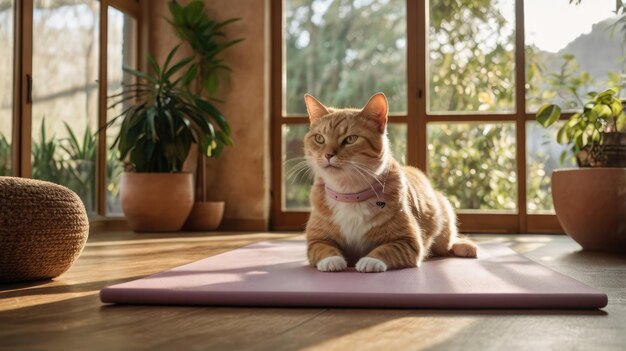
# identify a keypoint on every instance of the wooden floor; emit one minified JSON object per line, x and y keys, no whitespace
{"x":66,"y":314}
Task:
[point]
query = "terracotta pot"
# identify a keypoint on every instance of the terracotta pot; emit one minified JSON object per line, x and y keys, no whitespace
{"x":205,"y":215}
{"x":156,"y":202}
{"x":590,"y":204}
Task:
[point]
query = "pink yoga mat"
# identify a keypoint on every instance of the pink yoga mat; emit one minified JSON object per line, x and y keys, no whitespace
{"x":276,"y":273}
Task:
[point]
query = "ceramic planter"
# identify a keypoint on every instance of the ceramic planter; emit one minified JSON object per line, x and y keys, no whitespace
{"x":590,"y":204}
{"x":205,"y":215}
{"x":156,"y":202}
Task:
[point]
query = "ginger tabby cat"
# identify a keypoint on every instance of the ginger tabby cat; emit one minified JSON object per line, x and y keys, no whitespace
{"x":368,"y":211}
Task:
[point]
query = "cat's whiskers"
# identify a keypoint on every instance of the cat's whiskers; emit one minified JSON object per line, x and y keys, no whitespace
{"x":300,"y":170}
{"x":367,"y":172}
{"x":364,"y":177}
{"x":304,"y":176}
{"x":372,"y":175}
{"x":298,"y":167}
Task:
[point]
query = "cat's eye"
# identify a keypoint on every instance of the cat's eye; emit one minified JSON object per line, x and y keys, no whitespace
{"x":319,"y":139}
{"x":350,"y":139}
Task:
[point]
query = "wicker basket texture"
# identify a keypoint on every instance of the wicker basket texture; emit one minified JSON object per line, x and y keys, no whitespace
{"x":43,"y":229}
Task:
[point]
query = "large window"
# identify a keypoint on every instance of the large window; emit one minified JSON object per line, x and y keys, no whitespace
{"x":70,"y":58}
{"x":464,"y":79}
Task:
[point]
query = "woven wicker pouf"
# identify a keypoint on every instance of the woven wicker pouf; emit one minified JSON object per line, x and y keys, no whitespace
{"x":43,"y":229}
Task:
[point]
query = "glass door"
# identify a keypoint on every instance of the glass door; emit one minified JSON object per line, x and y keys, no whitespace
{"x":65,"y":94}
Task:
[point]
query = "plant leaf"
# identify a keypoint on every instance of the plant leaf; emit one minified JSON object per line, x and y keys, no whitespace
{"x":139,"y":74}
{"x":150,"y":127}
{"x":562,"y":136}
{"x":606,"y":93}
{"x":169,"y":57}
{"x":600,"y":111}
{"x":180,"y":64}
{"x":621,"y":122}
{"x":154,"y":65}
{"x":548,"y":114}
{"x":563,"y":155}
{"x":215,"y":113}
{"x":616,"y":107}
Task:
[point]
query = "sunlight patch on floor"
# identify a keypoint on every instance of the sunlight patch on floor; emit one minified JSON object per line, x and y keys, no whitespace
{"x":21,"y":302}
{"x":188,"y":239}
{"x":426,"y":332}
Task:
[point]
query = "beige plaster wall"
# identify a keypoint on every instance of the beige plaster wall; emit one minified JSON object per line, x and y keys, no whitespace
{"x":241,"y":176}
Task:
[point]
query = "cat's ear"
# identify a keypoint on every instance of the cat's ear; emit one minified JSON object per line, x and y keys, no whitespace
{"x":315,"y":108}
{"x":376,"y":108}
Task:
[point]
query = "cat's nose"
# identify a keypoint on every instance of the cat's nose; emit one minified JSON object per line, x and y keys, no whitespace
{"x":329,"y":156}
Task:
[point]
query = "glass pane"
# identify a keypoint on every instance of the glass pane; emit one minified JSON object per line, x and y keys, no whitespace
{"x":122,"y":52}
{"x":397,"y":133}
{"x":471,"y":56}
{"x":6,"y":84}
{"x":297,"y":178}
{"x":474,"y":164}
{"x":583,"y":51}
{"x":337,"y":52}
{"x":543,"y":156}
{"x":65,"y":94}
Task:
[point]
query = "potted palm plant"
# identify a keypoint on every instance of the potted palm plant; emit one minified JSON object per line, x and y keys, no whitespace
{"x":205,"y":38}
{"x":169,"y":111}
{"x":590,"y":202}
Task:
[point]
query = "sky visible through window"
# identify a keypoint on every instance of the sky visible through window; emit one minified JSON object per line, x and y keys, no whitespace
{"x":551,"y":25}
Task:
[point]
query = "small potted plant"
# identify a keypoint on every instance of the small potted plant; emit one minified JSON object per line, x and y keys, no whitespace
{"x":167,"y":110}
{"x":590,"y":202}
{"x":597,"y":134}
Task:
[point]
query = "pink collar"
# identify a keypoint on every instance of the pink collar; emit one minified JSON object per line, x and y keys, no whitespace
{"x":375,"y":190}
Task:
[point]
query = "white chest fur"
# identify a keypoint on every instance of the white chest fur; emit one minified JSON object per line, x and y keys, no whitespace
{"x":354,"y":219}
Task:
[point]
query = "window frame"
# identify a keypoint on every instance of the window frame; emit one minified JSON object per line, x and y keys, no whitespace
{"x":22,"y":108}
{"x":417,"y":119}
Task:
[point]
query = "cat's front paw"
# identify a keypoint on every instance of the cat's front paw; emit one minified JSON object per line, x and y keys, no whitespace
{"x":332,"y":264}
{"x":464,"y":249}
{"x":370,"y":265}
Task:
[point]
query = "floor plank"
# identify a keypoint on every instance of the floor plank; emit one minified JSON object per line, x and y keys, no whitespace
{"x":65,"y":313}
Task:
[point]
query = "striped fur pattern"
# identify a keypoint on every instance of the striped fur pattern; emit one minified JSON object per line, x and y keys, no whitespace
{"x":348,"y":151}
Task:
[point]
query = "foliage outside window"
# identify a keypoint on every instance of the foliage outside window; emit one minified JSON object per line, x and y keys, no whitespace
{"x":335,"y":51}
{"x":474,"y":164}
{"x":471,"y":56}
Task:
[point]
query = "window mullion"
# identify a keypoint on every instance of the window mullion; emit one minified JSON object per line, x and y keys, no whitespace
{"x":520,"y":98}
{"x":278,"y":217}
{"x":102,"y":111}
{"x":24,"y":69}
{"x":17,"y":59}
{"x":416,"y":51}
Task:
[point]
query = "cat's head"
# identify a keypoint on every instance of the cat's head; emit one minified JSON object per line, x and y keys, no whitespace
{"x":347,"y":146}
